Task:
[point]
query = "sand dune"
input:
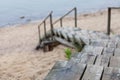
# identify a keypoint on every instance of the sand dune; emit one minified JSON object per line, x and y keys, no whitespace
{"x":20,"y":61}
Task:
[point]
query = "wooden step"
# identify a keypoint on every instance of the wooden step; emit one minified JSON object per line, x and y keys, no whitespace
{"x":108,"y":51}
{"x":102,"y":60}
{"x":64,"y":42}
{"x":93,"y":73}
{"x":75,"y":71}
{"x":99,"y":42}
{"x":117,"y":52}
{"x":115,"y":62}
{"x":111,"y":74}
{"x":93,"y":50}
{"x":84,"y":69}
{"x":71,"y":71}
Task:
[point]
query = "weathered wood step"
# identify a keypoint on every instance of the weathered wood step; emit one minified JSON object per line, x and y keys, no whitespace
{"x":93,"y":50}
{"x":115,"y":62}
{"x":84,"y":58}
{"x":87,"y":58}
{"x":108,"y":51}
{"x":64,"y":42}
{"x":84,"y":35}
{"x":111,"y":74}
{"x":102,"y":60}
{"x":71,"y":71}
{"x":99,"y":42}
{"x":112,"y":44}
{"x":93,"y":72}
{"x":117,"y":52}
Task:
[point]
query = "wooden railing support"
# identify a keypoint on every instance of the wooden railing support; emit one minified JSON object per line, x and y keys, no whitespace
{"x":61,"y":18}
{"x":44,"y":23}
{"x":109,"y":21}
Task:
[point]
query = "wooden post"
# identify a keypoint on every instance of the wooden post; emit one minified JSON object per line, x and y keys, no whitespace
{"x":51,"y":24}
{"x":75,"y":17}
{"x":61,"y":22}
{"x":48,"y":46}
{"x":39,"y":34}
{"x":109,"y":21}
{"x":45,"y":29}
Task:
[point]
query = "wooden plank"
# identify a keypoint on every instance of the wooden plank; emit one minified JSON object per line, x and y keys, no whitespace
{"x":64,"y":34}
{"x":117,"y":52}
{"x":76,"y":29}
{"x":72,"y":71}
{"x":64,"y":42}
{"x":55,"y":31}
{"x":85,"y":58}
{"x":99,"y":42}
{"x":112,"y":44}
{"x":77,"y":38}
{"x":93,"y":72}
{"x":88,"y":48}
{"x":103,"y":35}
{"x":95,"y":50}
{"x":93,"y":35}
{"x":118,"y":44}
{"x":85,"y":39}
{"x":111,"y":74}
{"x":70,"y":37}
{"x":102,"y":60}
{"x":108,"y":51}
{"x":60,"y":64}
{"x":115,"y":62}
{"x":59,"y":31}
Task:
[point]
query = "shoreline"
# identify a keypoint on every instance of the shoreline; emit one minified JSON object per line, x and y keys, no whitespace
{"x":56,"y":17}
{"x":20,"y":60}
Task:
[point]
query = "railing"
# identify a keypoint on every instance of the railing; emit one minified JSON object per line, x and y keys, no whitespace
{"x":44,"y":23}
{"x":61,"y":19}
{"x":109,"y":19}
{"x":51,"y":23}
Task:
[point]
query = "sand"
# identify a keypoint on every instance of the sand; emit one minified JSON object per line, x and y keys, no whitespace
{"x":20,"y":61}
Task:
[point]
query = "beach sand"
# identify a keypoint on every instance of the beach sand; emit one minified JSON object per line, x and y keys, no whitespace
{"x":20,"y":61}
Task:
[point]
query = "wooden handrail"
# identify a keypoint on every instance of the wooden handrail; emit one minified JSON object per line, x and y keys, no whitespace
{"x":44,"y":22}
{"x":45,"y":18}
{"x":51,"y":23}
{"x":75,"y":15}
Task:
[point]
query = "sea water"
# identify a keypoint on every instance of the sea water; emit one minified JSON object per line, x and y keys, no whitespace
{"x":22,"y":11}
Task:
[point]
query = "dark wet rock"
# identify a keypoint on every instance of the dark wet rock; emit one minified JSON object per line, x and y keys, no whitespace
{"x":22,"y":17}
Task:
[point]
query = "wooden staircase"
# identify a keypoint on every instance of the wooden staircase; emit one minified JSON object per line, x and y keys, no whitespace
{"x":98,"y":60}
{"x":92,"y":63}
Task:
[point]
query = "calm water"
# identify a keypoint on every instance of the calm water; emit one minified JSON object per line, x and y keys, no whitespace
{"x":12,"y":10}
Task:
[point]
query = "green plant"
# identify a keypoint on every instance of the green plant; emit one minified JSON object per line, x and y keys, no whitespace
{"x":68,"y":53}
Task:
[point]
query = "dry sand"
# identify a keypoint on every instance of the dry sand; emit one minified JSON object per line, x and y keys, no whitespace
{"x":20,"y":61}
